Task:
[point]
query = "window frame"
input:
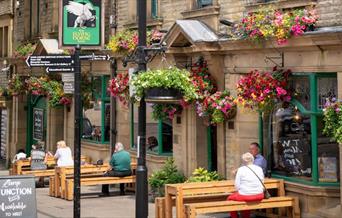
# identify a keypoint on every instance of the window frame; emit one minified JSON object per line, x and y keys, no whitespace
{"x":105,"y":100}
{"x":314,"y":113}
{"x":159,"y":136}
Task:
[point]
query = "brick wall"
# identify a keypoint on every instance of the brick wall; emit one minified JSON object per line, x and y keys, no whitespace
{"x":5,"y":7}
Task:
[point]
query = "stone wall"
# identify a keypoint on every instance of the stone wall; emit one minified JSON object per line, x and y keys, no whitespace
{"x":6,"y":7}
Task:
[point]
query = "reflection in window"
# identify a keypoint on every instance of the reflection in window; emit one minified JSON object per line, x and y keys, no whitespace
{"x":96,"y":118}
{"x":204,"y":3}
{"x":327,"y":89}
{"x":300,"y":89}
{"x":158,"y":133}
{"x":291,"y":133}
{"x":328,"y":156}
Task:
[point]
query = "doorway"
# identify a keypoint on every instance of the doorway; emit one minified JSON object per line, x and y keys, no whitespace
{"x":36,"y":128}
{"x":212,"y":147}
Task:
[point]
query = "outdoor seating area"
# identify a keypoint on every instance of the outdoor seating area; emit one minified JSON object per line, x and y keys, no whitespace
{"x":191,"y":199}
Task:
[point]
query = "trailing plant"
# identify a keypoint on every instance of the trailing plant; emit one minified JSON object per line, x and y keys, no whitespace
{"x":119,"y":87}
{"x":333,"y":119}
{"x":165,"y":78}
{"x":268,"y":23}
{"x":3,"y":91}
{"x":16,"y":85}
{"x":261,"y":90}
{"x":165,"y":111}
{"x":24,"y":50}
{"x":202,"y":175}
{"x":125,"y":41}
{"x":168,"y":174}
{"x":53,"y":89}
{"x":218,"y":107}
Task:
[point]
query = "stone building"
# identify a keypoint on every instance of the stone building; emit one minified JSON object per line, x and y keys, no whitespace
{"x":194,"y":30}
{"x":6,"y":27}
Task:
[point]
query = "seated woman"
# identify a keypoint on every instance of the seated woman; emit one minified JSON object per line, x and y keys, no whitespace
{"x":38,"y":158}
{"x":247,"y":185}
{"x":63,"y":155}
{"x":21,"y":155}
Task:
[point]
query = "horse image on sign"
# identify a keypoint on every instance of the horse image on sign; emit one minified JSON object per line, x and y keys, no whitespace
{"x":83,"y":13}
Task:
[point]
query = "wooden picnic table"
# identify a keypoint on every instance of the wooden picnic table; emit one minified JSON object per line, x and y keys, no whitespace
{"x":20,"y":165}
{"x":61,"y":174}
{"x":181,"y":190}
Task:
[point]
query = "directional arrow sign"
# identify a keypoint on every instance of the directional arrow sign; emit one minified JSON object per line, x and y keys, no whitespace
{"x":94,"y":57}
{"x":50,"y":61}
{"x":60,"y":69}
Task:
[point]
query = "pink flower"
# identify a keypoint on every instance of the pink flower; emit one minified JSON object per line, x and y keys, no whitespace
{"x":281,"y":91}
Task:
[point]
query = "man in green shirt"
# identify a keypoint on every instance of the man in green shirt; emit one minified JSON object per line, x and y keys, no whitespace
{"x":120,"y":166}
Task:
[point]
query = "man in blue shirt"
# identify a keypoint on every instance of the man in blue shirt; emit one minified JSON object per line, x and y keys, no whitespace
{"x":259,"y":160}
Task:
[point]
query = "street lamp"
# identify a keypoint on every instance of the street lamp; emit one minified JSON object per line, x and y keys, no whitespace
{"x":141,"y":57}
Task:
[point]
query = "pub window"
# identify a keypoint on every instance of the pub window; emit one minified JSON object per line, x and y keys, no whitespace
{"x":158,"y":132}
{"x":152,"y":10}
{"x":300,"y":151}
{"x":204,"y":3}
{"x":96,"y":114}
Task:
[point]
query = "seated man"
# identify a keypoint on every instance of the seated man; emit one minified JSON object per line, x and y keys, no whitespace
{"x":120,"y":166}
{"x":259,"y":160}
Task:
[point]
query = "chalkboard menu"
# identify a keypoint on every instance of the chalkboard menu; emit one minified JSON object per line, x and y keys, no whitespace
{"x":17,"y":197}
{"x":294,"y":155}
{"x":38,"y":124}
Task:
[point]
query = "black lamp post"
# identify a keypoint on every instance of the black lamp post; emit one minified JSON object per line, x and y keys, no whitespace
{"x":142,"y":56}
{"x":141,"y":199}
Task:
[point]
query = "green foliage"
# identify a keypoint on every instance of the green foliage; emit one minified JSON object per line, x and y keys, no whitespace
{"x":167,"y":175}
{"x":16,"y":85}
{"x":165,"y":78}
{"x":203,"y":175}
{"x":23,"y":50}
{"x":333,"y":120}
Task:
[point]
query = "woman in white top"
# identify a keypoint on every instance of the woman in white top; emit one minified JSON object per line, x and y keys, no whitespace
{"x":247,"y":185}
{"x":63,"y":155}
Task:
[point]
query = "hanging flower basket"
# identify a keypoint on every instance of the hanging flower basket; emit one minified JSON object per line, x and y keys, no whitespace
{"x":164,"y":86}
{"x":162,"y":95}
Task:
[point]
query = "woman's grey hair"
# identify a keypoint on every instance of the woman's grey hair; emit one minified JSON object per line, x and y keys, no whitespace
{"x":119,"y":146}
{"x":247,"y":158}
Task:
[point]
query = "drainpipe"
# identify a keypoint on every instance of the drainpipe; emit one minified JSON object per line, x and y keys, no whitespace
{"x":31,"y":19}
{"x":113,"y":129}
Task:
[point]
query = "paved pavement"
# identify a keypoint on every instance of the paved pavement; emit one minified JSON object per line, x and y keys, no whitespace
{"x":92,"y":206}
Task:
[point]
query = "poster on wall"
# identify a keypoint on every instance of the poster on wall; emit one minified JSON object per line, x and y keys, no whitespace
{"x":327,"y":169}
{"x":38,"y":124}
{"x":81,"y":23}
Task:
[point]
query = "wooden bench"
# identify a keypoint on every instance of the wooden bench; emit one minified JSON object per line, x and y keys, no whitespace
{"x":176,"y":194}
{"x":24,"y":165}
{"x":62,"y":173}
{"x":96,"y":181}
{"x":193,"y":209}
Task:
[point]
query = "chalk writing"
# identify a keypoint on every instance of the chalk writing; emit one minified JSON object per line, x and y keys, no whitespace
{"x":17,"y":197}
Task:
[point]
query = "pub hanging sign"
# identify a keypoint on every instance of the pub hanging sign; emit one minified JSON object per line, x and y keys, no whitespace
{"x":81,"y":23}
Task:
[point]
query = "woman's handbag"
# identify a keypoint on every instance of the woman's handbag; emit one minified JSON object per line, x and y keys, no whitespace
{"x":267,"y":195}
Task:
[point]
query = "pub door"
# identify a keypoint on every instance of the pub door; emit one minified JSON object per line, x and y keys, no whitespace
{"x":36,"y":123}
{"x":212,"y":147}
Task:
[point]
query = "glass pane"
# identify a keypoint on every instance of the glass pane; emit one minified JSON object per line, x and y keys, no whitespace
{"x":151,"y":131}
{"x":106,"y":81}
{"x":92,"y":115}
{"x":96,"y":87}
{"x":328,"y":156}
{"x":167,"y":135}
{"x":291,"y":136}
{"x":204,"y":3}
{"x":327,"y":89}
{"x":300,"y":87}
{"x":152,"y":142}
{"x":107,"y":122}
